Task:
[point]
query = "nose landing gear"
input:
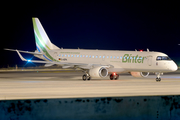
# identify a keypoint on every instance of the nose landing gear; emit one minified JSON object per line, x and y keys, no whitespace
{"x":158,"y":78}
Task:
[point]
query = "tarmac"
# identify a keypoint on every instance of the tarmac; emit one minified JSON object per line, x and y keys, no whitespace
{"x":69,"y":84}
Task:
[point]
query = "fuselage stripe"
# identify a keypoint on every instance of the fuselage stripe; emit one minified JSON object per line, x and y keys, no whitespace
{"x":38,"y":49}
{"x":36,"y":29}
{"x":47,"y":58}
{"x":44,"y":49}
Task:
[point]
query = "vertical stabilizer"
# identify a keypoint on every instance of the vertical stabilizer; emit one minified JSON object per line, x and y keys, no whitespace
{"x":42,"y":40}
{"x":43,"y":43}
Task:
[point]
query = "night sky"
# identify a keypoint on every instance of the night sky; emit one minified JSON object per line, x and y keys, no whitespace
{"x":102,"y":25}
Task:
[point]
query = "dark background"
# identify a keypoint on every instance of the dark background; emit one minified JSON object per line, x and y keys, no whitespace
{"x":108,"y":25}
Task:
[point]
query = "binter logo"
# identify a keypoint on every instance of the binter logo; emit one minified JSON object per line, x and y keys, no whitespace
{"x":132,"y":59}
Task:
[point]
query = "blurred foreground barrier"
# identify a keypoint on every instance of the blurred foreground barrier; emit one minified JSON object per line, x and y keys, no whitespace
{"x":109,"y":108}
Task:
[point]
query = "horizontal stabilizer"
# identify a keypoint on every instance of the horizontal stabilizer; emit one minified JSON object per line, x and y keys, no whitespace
{"x":34,"y":53}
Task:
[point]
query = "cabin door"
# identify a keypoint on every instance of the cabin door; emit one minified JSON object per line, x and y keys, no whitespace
{"x":149,"y":58}
{"x":55,"y":55}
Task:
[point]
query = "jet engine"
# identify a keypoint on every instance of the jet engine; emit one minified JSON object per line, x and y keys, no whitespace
{"x":139,"y":74}
{"x":98,"y":72}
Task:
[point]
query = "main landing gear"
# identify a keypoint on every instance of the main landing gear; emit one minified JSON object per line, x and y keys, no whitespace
{"x":114,"y":76}
{"x":86,"y":77}
{"x":158,"y":78}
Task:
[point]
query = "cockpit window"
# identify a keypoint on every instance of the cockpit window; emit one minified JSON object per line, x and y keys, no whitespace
{"x":163,"y":58}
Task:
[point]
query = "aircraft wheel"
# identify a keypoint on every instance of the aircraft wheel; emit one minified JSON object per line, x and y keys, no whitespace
{"x":84,"y":77}
{"x":117,"y":76}
{"x":158,"y":79}
{"x":114,"y":76}
{"x":89,"y":78}
{"x":111,"y":77}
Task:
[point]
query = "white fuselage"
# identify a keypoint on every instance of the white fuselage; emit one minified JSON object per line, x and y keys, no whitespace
{"x":122,"y":61}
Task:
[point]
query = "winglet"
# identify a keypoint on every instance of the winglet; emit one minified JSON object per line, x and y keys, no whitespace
{"x":23,"y":59}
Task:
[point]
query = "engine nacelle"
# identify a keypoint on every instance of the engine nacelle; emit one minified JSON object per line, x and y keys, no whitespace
{"x":98,"y":72}
{"x":139,"y":74}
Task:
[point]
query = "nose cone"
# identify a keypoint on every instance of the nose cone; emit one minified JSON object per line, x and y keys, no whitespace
{"x":174,"y":67}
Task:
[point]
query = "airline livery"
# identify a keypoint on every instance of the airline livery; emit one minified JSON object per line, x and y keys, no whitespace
{"x":98,"y":63}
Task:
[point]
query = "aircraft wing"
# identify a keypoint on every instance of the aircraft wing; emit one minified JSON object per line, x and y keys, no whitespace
{"x":66,"y":64}
{"x":48,"y":62}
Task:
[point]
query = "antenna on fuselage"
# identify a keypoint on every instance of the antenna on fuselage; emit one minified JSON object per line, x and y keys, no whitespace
{"x":147,"y":50}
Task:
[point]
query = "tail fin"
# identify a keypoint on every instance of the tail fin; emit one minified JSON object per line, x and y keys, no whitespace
{"x":43,"y":42}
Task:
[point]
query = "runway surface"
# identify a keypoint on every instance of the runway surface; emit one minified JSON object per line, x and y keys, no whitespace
{"x":69,"y":84}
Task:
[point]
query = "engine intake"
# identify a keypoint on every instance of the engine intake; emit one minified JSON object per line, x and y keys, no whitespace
{"x":98,"y":72}
{"x":140,"y":74}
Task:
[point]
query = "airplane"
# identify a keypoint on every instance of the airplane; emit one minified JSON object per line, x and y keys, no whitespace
{"x":98,"y":63}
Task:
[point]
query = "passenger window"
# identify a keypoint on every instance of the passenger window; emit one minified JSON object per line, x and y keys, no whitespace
{"x":114,"y":57}
{"x":65,"y":55}
{"x":83,"y":55}
{"x":62,"y":55}
{"x":117,"y":57}
{"x":77,"y":55}
{"x":93,"y":56}
{"x":86,"y":55}
{"x":71,"y":55}
{"x":99,"y":56}
{"x":121,"y":57}
{"x":68,"y":55}
{"x":103,"y":56}
{"x":90,"y":56}
{"x":111,"y":57}
{"x":96,"y":56}
{"x":80,"y":55}
{"x":59,"y":55}
{"x":107,"y":56}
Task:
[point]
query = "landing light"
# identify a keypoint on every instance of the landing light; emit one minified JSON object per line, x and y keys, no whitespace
{"x":141,"y":50}
{"x":29,"y":60}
